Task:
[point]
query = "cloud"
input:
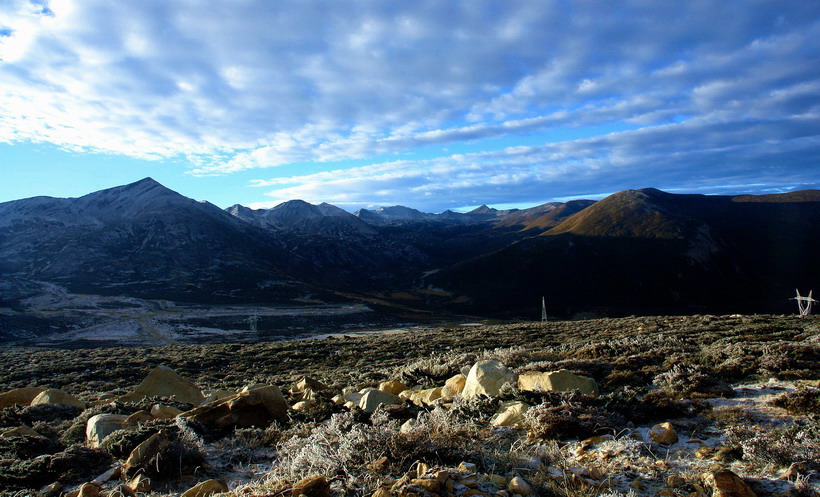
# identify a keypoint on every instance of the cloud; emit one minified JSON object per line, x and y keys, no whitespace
{"x":238,"y":86}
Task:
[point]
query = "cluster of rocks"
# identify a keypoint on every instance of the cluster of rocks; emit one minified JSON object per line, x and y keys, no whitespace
{"x":261,"y":405}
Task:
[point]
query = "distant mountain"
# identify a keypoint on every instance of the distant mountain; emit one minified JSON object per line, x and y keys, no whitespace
{"x":636,"y":251}
{"x":647,"y":251}
{"x":298,"y":215}
{"x":139,"y":239}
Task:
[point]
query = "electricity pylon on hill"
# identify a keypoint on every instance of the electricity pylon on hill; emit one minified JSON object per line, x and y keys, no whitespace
{"x":253,"y":321}
{"x":543,"y":312}
{"x":803,"y":303}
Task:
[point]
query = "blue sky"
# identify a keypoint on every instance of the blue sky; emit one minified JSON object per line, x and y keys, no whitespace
{"x":432,"y":104}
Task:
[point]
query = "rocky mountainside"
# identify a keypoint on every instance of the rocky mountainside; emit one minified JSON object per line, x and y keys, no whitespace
{"x":636,"y":251}
{"x":651,"y":251}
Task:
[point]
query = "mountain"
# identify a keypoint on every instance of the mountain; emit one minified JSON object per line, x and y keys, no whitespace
{"x":648,"y":251}
{"x":298,"y":215}
{"x":140,"y":239}
{"x":637,"y":251}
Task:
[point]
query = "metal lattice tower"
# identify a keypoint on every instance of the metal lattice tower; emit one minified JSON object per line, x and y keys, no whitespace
{"x":253,"y":321}
{"x":804,"y":303}
{"x":543,"y":311}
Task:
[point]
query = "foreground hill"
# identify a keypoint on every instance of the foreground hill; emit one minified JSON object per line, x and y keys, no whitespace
{"x":703,"y":405}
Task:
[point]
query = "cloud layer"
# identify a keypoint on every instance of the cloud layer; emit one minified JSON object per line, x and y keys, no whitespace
{"x":703,"y":94}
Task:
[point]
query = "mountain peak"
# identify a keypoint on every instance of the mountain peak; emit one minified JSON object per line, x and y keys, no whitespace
{"x":484,"y":209}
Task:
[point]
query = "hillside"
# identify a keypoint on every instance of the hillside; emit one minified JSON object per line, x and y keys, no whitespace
{"x":654,"y":406}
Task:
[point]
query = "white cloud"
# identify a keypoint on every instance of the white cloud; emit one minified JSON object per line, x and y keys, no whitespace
{"x":235,"y":86}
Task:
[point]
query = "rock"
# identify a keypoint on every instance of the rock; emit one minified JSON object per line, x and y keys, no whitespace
{"x":728,"y":484}
{"x":90,"y":489}
{"x":467,"y":467}
{"x":663,"y":433}
{"x":206,"y":488}
{"x":382,"y":492}
{"x":111,"y":473}
{"x":394,"y":387}
{"x":519,"y":486}
{"x":487,"y":378}
{"x":258,"y":407}
{"x":314,"y":486}
{"x":408,"y":426}
{"x":217,"y":394}
{"x":100,"y":426}
{"x":498,"y":480}
{"x":675,"y":481}
{"x":57,"y":397}
{"x":162,"y":381}
{"x":304,"y":405}
{"x":556,"y":381}
{"x":137,"y":418}
{"x":454,"y":386}
{"x":338,"y":400}
{"x":354,"y":397}
{"x":307,"y":383}
{"x":790,"y":474}
{"x":374,"y":398}
{"x":432,"y":486}
{"x":161,"y":411}
{"x":22,"y":396}
{"x":51,"y":490}
{"x":425,"y":397}
{"x":143,"y":452}
{"x":510,"y":413}
{"x":254,"y":386}
{"x":140,"y":483}
{"x":19,"y":431}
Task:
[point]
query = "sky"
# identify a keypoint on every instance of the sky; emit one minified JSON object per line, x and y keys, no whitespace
{"x":432,"y":104}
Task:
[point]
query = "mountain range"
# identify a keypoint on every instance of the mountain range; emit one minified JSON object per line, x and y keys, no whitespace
{"x":634,"y":252}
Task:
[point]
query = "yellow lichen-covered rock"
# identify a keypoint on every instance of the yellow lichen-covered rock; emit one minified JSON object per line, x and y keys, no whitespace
{"x":374,"y":398}
{"x":162,"y":381}
{"x":510,"y":414}
{"x":486,"y":378}
{"x":663,"y":433}
{"x":394,"y":387}
{"x":258,"y":407}
{"x":21,"y":396}
{"x":206,"y":488}
{"x":556,"y":381}
{"x":57,"y":397}
{"x":454,"y":385}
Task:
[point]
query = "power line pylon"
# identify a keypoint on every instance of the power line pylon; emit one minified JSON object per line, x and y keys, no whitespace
{"x":803,"y":303}
{"x":543,"y":312}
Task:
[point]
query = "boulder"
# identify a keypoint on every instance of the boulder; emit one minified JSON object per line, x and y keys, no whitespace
{"x":728,"y":484}
{"x":258,"y":407}
{"x":454,"y":386}
{"x":100,"y":426}
{"x":57,"y":397}
{"x":425,"y":397}
{"x":143,"y":452}
{"x":162,"y":411}
{"x":206,"y":488}
{"x":556,"y":381}
{"x":304,"y":405}
{"x":487,"y":378}
{"x":162,"y":381}
{"x":314,"y":486}
{"x":354,"y":397}
{"x":22,"y":396}
{"x":520,"y":486}
{"x":90,"y":489}
{"x":137,"y":418}
{"x":394,"y":387}
{"x":374,"y":398}
{"x":663,"y":433}
{"x":511,"y":413}
{"x":308,"y":384}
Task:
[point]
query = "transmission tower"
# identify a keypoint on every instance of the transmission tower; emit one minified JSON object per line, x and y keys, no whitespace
{"x":803,"y":303}
{"x":253,"y":321}
{"x":543,"y":312}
